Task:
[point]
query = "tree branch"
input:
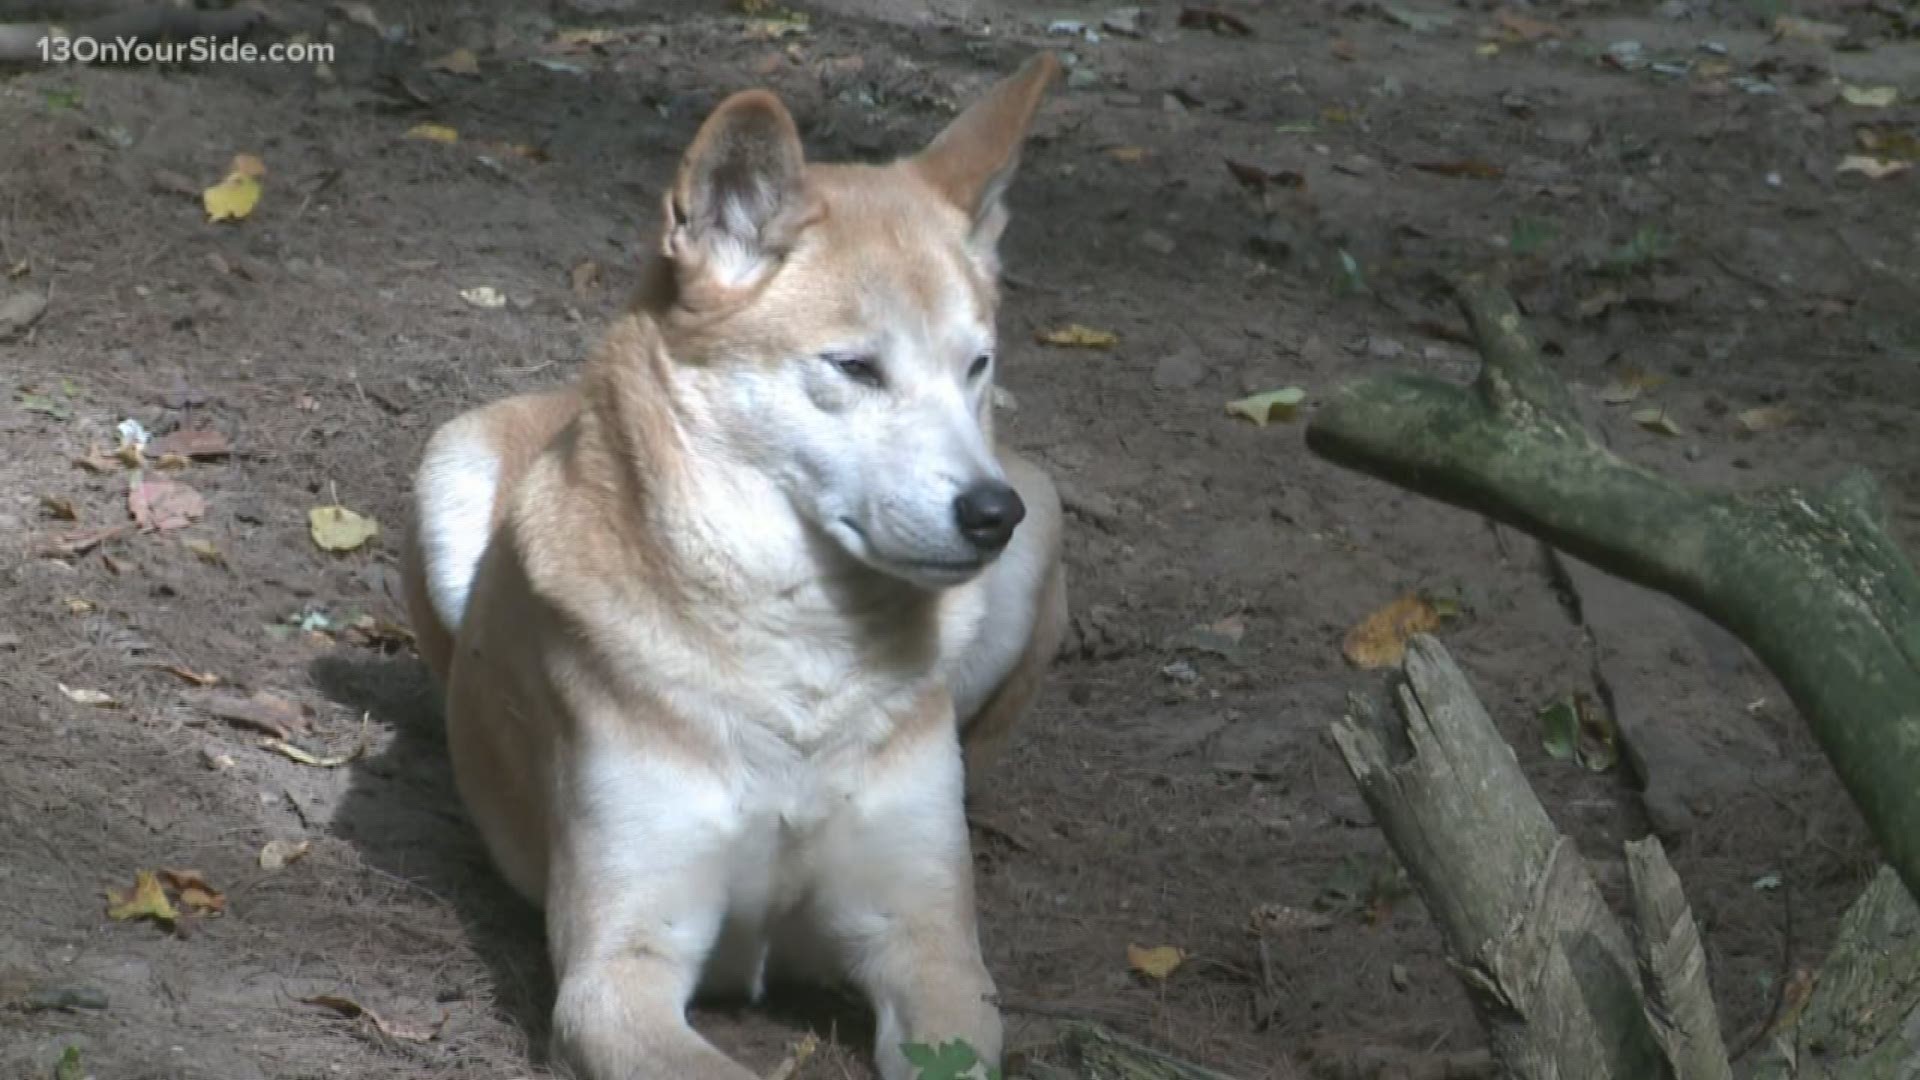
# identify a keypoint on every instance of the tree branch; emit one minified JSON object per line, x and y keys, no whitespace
{"x":1810,"y":581}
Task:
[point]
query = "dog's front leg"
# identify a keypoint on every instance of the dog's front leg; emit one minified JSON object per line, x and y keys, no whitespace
{"x":635,"y":904}
{"x":895,"y":897}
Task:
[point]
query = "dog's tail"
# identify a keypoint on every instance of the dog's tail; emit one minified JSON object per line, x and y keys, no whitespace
{"x":454,"y":499}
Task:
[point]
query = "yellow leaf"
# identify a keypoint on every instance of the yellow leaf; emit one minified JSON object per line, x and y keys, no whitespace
{"x":80,"y":605}
{"x":1073,"y":335}
{"x":277,"y":854}
{"x":1155,"y":963}
{"x":1872,"y":168}
{"x":1267,"y":407}
{"x":457,"y":62}
{"x":1657,"y":421}
{"x":231,"y":199}
{"x":207,"y":551}
{"x":1629,"y":385}
{"x":1127,"y":155}
{"x":1380,"y":640}
{"x":336,"y":528}
{"x":439,"y":133}
{"x":146,"y":900}
{"x":1808,"y":30}
{"x":97,"y":698}
{"x":362,"y":13}
{"x":1875,"y":97}
{"x":248,"y":165}
{"x":1766,"y":418}
{"x":484,"y":296}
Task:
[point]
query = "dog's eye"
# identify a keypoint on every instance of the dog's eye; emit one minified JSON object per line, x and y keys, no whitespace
{"x":978,"y":369}
{"x":864,"y":370}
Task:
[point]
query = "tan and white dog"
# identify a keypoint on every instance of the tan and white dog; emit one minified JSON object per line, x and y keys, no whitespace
{"x":715,"y":623}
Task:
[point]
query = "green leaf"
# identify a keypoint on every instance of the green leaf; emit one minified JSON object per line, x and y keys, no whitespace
{"x":1560,"y":729}
{"x":69,"y":1067}
{"x":948,"y":1061}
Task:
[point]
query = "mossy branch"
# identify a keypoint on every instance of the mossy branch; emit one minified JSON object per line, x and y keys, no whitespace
{"x":1811,"y":581}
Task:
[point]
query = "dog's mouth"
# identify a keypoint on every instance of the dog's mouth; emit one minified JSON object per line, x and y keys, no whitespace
{"x":933,"y":573}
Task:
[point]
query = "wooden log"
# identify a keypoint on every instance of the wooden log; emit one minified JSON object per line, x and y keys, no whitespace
{"x":1551,"y":975}
{"x":1673,"y":968}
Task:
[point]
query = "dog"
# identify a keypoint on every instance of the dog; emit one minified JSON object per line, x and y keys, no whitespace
{"x":727,"y":629}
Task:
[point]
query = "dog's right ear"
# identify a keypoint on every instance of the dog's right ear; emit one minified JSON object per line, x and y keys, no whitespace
{"x":740,"y":199}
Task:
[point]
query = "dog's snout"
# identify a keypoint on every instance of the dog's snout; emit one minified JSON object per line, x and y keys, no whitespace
{"x":988,"y":512}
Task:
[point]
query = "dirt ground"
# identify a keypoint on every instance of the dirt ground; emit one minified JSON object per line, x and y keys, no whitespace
{"x":1673,"y":218}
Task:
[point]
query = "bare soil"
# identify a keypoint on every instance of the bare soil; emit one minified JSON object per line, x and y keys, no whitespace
{"x":1685,"y":223}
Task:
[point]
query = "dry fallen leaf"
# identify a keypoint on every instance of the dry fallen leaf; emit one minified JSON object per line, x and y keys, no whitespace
{"x":1155,"y":963}
{"x":97,"y":461}
{"x":585,"y":277}
{"x":294,"y":753}
{"x":1214,"y":19}
{"x":1380,"y":640}
{"x":196,"y":896}
{"x":336,"y":528}
{"x":1656,"y":420}
{"x":1128,"y":155}
{"x":207,"y":552}
{"x":1527,"y":28}
{"x":1268,"y":920}
{"x":1766,"y":418}
{"x":1074,"y":335}
{"x":146,"y":900}
{"x":1255,"y":179}
{"x":187,"y":674}
{"x":79,"y":543}
{"x":361,"y":13}
{"x":80,"y":696}
{"x":1629,"y":385}
{"x":80,"y":605}
{"x":59,"y":507}
{"x":1870,"y":97}
{"x":1468,"y":170}
{"x":439,"y":133}
{"x":376,"y":633}
{"x":353,"y":1010}
{"x":1872,"y":168}
{"x":277,"y":854}
{"x":266,"y":713}
{"x":1798,"y":29}
{"x":1264,"y":408}
{"x":458,"y":62}
{"x":198,"y":443}
{"x":159,"y":505}
{"x":484,"y":296}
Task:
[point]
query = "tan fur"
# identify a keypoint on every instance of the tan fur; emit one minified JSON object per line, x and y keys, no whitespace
{"x":696,"y":730}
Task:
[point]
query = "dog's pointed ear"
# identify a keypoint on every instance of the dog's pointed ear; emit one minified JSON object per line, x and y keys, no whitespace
{"x":973,"y":160}
{"x":740,"y":198}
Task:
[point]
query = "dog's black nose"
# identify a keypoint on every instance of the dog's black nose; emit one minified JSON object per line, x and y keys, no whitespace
{"x":988,"y":512}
